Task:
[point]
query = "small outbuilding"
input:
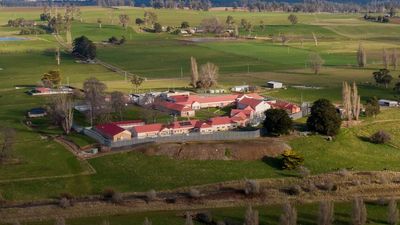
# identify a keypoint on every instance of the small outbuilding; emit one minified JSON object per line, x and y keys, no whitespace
{"x":37,"y":112}
{"x":113,"y":132}
{"x":274,"y":85}
{"x":241,"y":88}
{"x":388,"y":103}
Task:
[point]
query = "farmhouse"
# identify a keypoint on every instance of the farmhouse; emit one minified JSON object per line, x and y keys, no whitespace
{"x":199,"y":102}
{"x":290,"y":108}
{"x":257,"y":105}
{"x":113,"y":132}
{"x":274,"y":85}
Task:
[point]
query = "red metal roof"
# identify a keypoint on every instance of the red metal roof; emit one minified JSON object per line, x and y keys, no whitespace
{"x":109,"y":129}
{"x":220,"y":120}
{"x":183,"y":124}
{"x":173,"y":106}
{"x":285,"y":105}
{"x":251,"y":95}
{"x":252,"y":102}
{"x":188,"y":100}
{"x":148,"y":128}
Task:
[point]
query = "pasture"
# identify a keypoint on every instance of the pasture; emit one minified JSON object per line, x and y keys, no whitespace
{"x":164,"y":60}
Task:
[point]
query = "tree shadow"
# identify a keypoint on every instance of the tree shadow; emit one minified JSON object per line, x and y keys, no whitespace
{"x":275,"y":163}
{"x":364,"y":139}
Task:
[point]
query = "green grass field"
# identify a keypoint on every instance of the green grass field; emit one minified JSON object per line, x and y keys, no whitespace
{"x":161,"y":58}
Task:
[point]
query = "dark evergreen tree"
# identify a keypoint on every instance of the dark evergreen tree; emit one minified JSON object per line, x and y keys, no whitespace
{"x":324,"y":118}
{"x":84,"y":48}
{"x":277,"y":121}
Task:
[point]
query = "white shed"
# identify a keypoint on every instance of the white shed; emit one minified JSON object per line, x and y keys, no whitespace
{"x":274,"y":85}
{"x":242,"y":88}
{"x":388,"y":103}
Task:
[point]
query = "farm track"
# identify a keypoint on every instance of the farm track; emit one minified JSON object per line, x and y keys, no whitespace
{"x":369,"y":185}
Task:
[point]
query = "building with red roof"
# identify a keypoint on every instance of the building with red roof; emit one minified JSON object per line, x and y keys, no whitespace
{"x":289,"y":107}
{"x":129,"y":124}
{"x":113,"y":132}
{"x":197,"y":102}
{"x":174,"y":108}
{"x":257,"y":105}
{"x":148,"y":130}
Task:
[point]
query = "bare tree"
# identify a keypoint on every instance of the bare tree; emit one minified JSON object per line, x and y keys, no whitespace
{"x":393,"y":212}
{"x":124,"y":20}
{"x":61,"y":111}
{"x":7,"y":141}
{"x":136,"y":81}
{"x":385,"y":58}
{"x":251,"y":217}
{"x":150,"y":18}
{"x":59,"y":221}
{"x":100,"y":22}
{"x":394,"y":59}
{"x":189,"y":219}
{"x":208,"y":75}
{"x":355,"y":102}
{"x":118,"y":103}
{"x":316,"y":62}
{"x":346,"y":100}
{"x":289,"y":215}
{"x":359,"y":212}
{"x":94,"y":96}
{"x":315,"y":39}
{"x":58,"y":56}
{"x":195,"y":72}
{"x":361,"y":56}
{"x":212,"y":25}
{"x":147,"y":221}
{"x":325,"y":215}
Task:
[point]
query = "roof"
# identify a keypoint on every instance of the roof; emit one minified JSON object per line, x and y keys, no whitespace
{"x":284,"y":105}
{"x":173,"y":106}
{"x":273,"y":82}
{"x":42,"y":89}
{"x":183,"y":124}
{"x":251,"y":95}
{"x":246,"y":112}
{"x":128,"y":122}
{"x":252,"y":102}
{"x":239,"y":117}
{"x":220,"y":120}
{"x":37,"y":111}
{"x":148,"y":128}
{"x":202,"y":124}
{"x":242,"y":86}
{"x":109,"y":129}
{"x":188,"y":100}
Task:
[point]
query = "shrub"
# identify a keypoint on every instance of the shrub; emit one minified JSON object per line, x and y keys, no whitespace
{"x":64,"y":203}
{"x":293,"y":190}
{"x":380,"y":137}
{"x":108,"y":193}
{"x":328,"y":186}
{"x":151,"y":195}
{"x":194,"y":193}
{"x":204,"y":218}
{"x":291,"y":160}
{"x":252,"y":187}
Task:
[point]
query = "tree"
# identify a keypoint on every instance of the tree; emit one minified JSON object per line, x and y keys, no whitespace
{"x":361,"y":56}
{"x":189,"y":219}
{"x":380,"y":137}
{"x":394,"y":59}
{"x":136,"y":81}
{"x":393,"y":212}
{"x":289,"y":215}
{"x":351,"y":101}
{"x":195,"y":72}
{"x":324,"y":119}
{"x":208,"y":75}
{"x":157,"y":28}
{"x":60,"y":110}
{"x":251,"y":217}
{"x":212,"y":25}
{"x":147,"y":222}
{"x":100,"y":22}
{"x":185,"y":25}
{"x":124,"y":20}
{"x":385,"y":58}
{"x":84,"y":48}
{"x":246,"y":25}
{"x":150,"y":17}
{"x":7,"y":141}
{"x":291,"y":160}
{"x":118,"y":103}
{"x":139,"y":21}
{"x":293,"y":19}
{"x":372,"y":107}
{"x":277,"y":121}
{"x":51,"y":78}
{"x":316,"y":62}
{"x":383,"y":77}
{"x":94,"y":97}
{"x":230,"y":21}
{"x":325,"y":214}
{"x":359,"y":212}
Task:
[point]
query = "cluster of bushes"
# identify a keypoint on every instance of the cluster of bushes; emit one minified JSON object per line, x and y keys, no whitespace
{"x":379,"y":19}
{"x":21,"y":22}
{"x":113,"y":40}
{"x":27,"y":31}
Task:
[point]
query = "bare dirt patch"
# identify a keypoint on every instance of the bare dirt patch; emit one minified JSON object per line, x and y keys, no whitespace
{"x":255,"y":149}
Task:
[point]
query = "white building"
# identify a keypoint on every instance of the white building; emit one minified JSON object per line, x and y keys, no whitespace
{"x":242,"y":88}
{"x":274,"y":85}
{"x":388,"y":103}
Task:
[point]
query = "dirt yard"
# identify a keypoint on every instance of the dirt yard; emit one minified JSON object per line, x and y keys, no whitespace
{"x":234,"y":150}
